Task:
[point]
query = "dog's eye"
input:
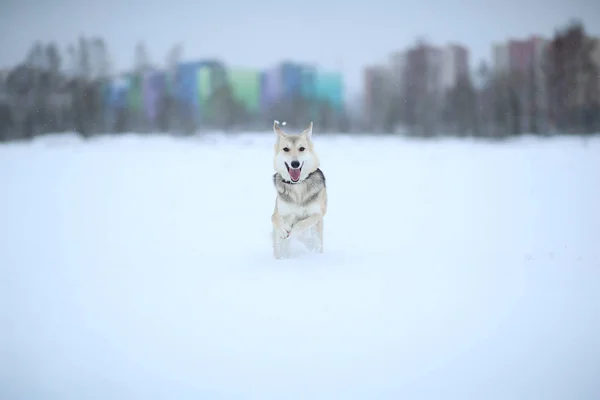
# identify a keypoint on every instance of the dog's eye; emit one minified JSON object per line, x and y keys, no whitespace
{"x":286,"y":149}
{"x":301,"y":149}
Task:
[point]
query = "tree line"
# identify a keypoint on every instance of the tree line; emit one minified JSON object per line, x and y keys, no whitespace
{"x":559,"y":94}
{"x":53,"y":92}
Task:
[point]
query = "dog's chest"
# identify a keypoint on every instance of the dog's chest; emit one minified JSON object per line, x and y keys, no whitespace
{"x":293,"y":207}
{"x":293,"y":212}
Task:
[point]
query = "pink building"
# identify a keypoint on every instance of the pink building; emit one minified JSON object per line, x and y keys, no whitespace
{"x":424,"y":79}
{"x":424,"y":68}
{"x":519,"y":55}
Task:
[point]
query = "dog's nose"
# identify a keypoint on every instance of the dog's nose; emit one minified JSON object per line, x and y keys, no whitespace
{"x":295,"y":164}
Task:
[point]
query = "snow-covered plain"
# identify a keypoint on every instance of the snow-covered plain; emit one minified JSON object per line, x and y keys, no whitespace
{"x":141,"y":268}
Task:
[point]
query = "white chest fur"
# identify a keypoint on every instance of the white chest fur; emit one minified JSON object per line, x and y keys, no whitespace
{"x":296,"y":202}
{"x":292,"y":213}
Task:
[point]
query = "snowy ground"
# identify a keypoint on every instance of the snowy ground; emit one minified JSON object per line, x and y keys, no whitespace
{"x":141,"y":268}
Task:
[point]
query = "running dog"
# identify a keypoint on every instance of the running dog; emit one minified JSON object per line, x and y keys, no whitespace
{"x":301,"y":201}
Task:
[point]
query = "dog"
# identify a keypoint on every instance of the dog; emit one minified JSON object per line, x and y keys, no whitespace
{"x":301,"y":201}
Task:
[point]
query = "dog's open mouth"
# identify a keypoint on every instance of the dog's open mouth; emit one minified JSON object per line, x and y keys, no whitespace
{"x":294,"y":172}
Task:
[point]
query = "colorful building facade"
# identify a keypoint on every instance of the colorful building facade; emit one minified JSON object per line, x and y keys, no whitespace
{"x":192,"y":85}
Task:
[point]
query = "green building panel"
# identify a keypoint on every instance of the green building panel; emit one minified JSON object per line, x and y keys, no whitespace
{"x":245,"y":84}
{"x":204,"y":91}
{"x":329,"y":87}
{"x":134,"y":94}
{"x":308,"y":88}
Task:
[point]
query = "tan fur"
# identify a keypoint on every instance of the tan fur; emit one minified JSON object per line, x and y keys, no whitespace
{"x":302,"y":210}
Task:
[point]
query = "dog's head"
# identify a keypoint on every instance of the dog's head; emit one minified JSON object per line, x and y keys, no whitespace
{"x":295,"y":157}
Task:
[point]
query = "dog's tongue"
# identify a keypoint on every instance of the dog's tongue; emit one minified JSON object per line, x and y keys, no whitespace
{"x":295,"y":174}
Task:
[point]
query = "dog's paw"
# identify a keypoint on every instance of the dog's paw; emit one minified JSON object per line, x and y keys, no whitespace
{"x":282,"y":230}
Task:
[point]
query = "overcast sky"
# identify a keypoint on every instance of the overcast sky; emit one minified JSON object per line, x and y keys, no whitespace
{"x":338,"y":34}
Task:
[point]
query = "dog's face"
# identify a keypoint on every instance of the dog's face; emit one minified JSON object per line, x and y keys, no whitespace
{"x":295,"y":157}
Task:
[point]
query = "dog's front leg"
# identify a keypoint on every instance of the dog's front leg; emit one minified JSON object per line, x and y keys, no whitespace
{"x":314,"y":241}
{"x":280,"y":228}
{"x":281,"y":247}
{"x":281,"y":232}
{"x":305,"y":223}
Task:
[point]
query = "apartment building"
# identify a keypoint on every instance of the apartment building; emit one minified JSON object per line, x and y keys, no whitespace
{"x":522,"y":60}
{"x":455,"y":64}
{"x":377,"y":81}
{"x":397,"y":62}
{"x":596,"y":54}
{"x":519,"y":55}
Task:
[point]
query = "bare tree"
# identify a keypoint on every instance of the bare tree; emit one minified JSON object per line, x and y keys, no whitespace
{"x":532,"y":97}
{"x":83,"y":57}
{"x":482,"y":105}
{"x":100,"y":60}
{"x":54,"y":58}
{"x":460,"y":107}
{"x":515,"y":105}
{"x":173,"y":58}
{"x":501,"y":107}
{"x":142,"y":58}
{"x":571,"y":78}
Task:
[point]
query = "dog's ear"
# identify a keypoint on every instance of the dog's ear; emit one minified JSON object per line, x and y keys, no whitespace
{"x":308,"y":131}
{"x":278,"y":130}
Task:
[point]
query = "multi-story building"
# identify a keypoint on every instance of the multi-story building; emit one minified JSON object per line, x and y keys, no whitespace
{"x":596,"y":51}
{"x":423,"y":68}
{"x":3,"y":88}
{"x":500,"y":58}
{"x":397,"y":68}
{"x":518,"y":55}
{"x":522,"y":61}
{"x":536,"y":72}
{"x":596,"y":55}
{"x":540,"y":47}
{"x":424,"y":89}
{"x":521,"y":54}
{"x":581,"y":97}
{"x":455,"y":64}
{"x":461,"y":59}
{"x":377,"y":81}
